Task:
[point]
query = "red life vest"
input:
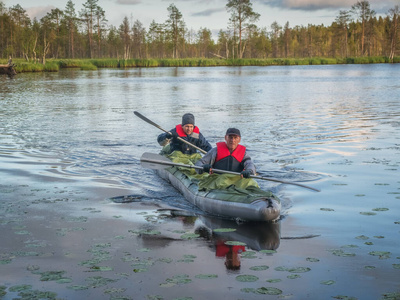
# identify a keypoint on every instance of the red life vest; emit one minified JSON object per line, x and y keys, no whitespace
{"x":181,"y":133}
{"x":223,"y":152}
{"x":229,"y":161}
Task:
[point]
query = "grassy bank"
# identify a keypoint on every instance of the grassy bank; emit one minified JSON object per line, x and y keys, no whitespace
{"x":53,"y":65}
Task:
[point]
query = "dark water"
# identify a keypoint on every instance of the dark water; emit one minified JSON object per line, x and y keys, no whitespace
{"x":336,"y":128}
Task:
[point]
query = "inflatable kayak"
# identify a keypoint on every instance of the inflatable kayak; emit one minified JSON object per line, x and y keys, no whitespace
{"x":240,"y":199}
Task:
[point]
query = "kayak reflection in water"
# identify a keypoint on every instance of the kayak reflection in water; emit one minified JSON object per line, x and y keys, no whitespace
{"x":188,"y":132}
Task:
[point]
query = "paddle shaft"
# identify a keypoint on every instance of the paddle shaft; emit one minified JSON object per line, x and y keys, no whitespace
{"x":170,"y":163}
{"x":159,"y":127}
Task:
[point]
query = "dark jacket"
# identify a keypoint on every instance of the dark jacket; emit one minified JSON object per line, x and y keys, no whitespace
{"x":211,"y":157}
{"x":196,"y":138}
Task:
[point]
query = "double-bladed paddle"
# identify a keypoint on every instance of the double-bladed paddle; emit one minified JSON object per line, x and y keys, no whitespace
{"x":159,"y":127}
{"x":156,"y":161}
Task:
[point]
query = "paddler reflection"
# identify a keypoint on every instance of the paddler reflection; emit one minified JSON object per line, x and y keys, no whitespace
{"x":231,"y":239}
{"x":231,"y":254}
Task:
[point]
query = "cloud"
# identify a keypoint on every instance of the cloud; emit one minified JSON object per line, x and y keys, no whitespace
{"x":38,"y":12}
{"x":313,"y":5}
{"x":207,"y":12}
{"x":128,"y":2}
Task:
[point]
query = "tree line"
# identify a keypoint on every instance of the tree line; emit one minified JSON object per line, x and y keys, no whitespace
{"x":69,"y":33}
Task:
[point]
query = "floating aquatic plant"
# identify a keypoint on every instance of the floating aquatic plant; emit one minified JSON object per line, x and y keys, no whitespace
{"x":189,"y":236}
{"x":206,"y":276}
{"x":224,"y":230}
{"x":249,"y":254}
{"x":268,"y":291}
{"x":268,"y":251}
{"x":246,"y":278}
{"x":381,"y":254}
{"x":342,"y":253}
{"x":328,"y":282}
{"x":234,"y":243}
{"x":78,"y":287}
{"x":380,"y":209}
{"x":312,"y":259}
{"x":342,"y":297}
{"x":362,"y":237}
{"x":391,"y":296}
{"x":367,"y":213}
{"x":98,"y":281}
{"x":327,"y":209}
{"x":293,"y":276}
{"x":274,"y":280}
{"x":20,"y":287}
{"x":369,"y":267}
{"x":259,"y":268}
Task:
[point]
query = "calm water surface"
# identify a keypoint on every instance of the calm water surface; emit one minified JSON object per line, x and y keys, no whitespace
{"x":336,"y":128}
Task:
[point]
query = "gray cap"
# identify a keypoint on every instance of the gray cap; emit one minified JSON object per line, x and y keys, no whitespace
{"x":187,"y":119}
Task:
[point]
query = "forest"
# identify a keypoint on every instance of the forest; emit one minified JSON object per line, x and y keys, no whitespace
{"x":83,"y":33}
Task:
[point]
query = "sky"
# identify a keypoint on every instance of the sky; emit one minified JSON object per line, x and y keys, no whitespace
{"x":210,"y":14}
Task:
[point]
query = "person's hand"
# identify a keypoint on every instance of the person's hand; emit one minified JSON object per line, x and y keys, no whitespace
{"x":169,"y":135}
{"x":245,"y":174}
{"x":207,"y":168}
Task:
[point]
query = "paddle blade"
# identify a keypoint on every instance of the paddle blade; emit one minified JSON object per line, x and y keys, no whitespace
{"x":154,"y":161}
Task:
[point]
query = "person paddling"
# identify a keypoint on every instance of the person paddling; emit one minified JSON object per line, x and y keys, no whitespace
{"x":187,"y":131}
{"x":229,"y":156}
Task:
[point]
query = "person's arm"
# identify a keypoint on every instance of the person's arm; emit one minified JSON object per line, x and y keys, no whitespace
{"x":164,"y":138}
{"x":203,"y":143}
{"x":207,"y":159}
{"x":248,"y":164}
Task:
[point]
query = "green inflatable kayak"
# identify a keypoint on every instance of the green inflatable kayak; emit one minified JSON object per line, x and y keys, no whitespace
{"x":222,"y":195}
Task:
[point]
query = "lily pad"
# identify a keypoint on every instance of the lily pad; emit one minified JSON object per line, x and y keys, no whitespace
{"x":380,"y":209}
{"x":396,"y":266}
{"x":299,"y":270}
{"x":381,"y":254}
{"x":249,"y":254}
{"x":224,"y":230}
{"x":367,"y":213}
{"x":235,"y":243}
{"x":311,"y":259}
{"x":369,"y":267}
{"x":206,"y":276}
{"x":326,"y":209}
{"x":342,"y":253}
{"x":189,"y":236}
{"x":274,"y":280}
{"x":259,"y":268}
{"x":327,"y":282}
{"x":19,"y":288}
{"x":246,"y":278}
{"x":269,"y":291}
{"x":294,"y":276}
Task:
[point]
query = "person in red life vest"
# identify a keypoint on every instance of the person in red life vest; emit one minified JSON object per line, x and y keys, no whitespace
{"x":229,"y":156}
{"x":187,"y":131}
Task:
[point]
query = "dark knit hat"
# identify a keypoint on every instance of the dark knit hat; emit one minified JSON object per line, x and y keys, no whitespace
{"x":187,"y":119}
{"x":233,"y":131}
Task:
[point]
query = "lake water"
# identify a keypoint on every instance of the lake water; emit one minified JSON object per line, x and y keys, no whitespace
{"x":335,"y":128}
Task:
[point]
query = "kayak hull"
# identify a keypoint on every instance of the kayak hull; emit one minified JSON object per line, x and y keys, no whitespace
{"x":215,"y":202}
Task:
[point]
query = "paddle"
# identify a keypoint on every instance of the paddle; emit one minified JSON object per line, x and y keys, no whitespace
{"x":159,"y":127}
{"x":156,"y":161}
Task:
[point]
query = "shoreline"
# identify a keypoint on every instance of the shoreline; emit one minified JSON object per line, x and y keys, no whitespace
{"x":54,"y":65}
